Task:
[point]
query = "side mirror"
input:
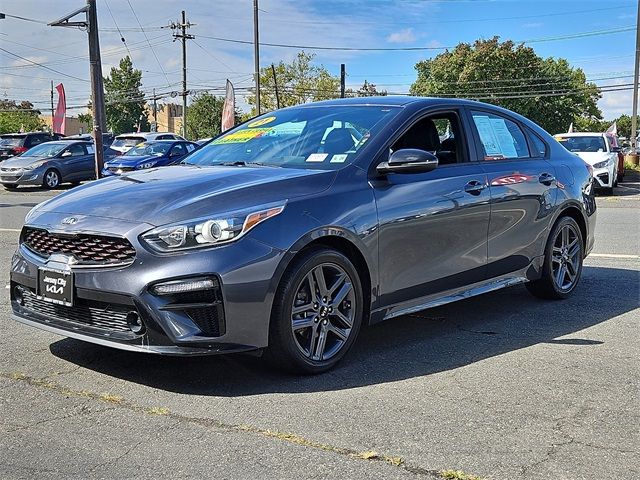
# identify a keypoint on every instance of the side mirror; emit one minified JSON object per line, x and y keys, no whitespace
{"x":409,"y":160}
{"x":65,"y":154}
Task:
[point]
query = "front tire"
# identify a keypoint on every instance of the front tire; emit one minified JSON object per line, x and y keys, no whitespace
{"x":317,"y":313}
{"x":11,"y":187}
{"x":51,"y":179}
{"x":562,"y":262}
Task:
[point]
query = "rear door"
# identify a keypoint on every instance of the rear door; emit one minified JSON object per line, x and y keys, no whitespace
{"x":432,"y":226}
{"x":523,"y":187}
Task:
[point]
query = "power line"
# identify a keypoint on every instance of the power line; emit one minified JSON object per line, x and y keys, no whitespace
{"x":118,"y":28}
{"x":149,"y":43}
{"x":417,"y":49}
{"x":44,"y":66}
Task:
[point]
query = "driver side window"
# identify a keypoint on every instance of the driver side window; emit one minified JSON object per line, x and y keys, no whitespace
{"x":440,"y":134}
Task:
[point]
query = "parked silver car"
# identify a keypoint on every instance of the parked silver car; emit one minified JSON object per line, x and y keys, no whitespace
{"x":50,"y":164}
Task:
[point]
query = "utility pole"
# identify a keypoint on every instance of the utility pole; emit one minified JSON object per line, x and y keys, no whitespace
{"x":155,"y":109}
{"x":634,"y":117}
{"x":343,"y":75}
{"x":275,"y":84}
{"x":90,"y":24}
{"x":52,"y":111}
{"x":256,"y":54}
{"x":183,"y":26}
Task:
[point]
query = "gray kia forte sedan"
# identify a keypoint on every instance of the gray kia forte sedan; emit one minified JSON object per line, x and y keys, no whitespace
{"x":289,"y":233}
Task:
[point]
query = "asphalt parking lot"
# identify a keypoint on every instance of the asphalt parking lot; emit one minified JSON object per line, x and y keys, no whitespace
{"x":503,"y":386}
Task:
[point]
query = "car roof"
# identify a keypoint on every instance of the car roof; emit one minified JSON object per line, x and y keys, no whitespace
{"x":24,"y":134}
{"x":393,"y":100}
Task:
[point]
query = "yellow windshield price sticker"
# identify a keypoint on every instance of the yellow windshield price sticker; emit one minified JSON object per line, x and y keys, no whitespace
{"x":262,"y":121}
{"x":242,"y":136}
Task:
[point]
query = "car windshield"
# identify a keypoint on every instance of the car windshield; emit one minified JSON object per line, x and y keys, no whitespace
{"x":583,"y":144}
{"x":127,"y":141}
{"x":148,"y":148}
{"x":314,"y":137}
{"x":10,"y":141}
{"x":49,"y":149}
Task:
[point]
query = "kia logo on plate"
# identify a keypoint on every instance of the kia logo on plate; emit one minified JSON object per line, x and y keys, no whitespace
{"x":69,"y":221}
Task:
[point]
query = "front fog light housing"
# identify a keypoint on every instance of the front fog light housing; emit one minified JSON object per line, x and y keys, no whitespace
{"x":184,"y":286}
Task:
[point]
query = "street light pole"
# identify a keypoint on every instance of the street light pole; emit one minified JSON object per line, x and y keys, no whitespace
{"x":90,"y":24}
{"x":634,"y":117}
{"x":256,"y":54}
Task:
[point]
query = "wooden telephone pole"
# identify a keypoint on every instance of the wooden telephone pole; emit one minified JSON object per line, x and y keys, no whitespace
{"x":182,"y":27}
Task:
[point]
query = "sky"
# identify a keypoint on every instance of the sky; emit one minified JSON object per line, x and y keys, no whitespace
{"x":607,"y":59}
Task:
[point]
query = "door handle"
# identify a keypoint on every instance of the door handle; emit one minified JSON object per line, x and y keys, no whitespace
{"x":475,"y":187}
{"x":546,"y":178}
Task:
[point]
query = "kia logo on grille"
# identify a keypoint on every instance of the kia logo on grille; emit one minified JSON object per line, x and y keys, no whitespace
{"x":69,"y":221}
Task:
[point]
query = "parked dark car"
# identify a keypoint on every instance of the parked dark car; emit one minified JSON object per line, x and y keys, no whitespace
{"x":107,"y":138}
{"x":50,"y":164}
{"x":13,"y":144}
{"x":154,"y":153}
{"x":289,"y":233}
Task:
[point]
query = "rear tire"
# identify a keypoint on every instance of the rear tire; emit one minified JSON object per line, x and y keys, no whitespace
{"x":562,"y":266}
{"x":317,"y":313}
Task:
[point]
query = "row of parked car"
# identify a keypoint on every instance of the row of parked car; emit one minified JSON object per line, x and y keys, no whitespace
{"x":44,"y":159}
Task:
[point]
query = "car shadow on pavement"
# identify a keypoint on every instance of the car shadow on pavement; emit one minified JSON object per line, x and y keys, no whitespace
{"x":424,"y":343}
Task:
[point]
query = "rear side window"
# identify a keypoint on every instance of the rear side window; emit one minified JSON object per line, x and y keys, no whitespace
{"x":538,"y":145}
{"x":500,"y":137}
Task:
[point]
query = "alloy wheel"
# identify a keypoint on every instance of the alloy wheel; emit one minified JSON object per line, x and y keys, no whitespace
{"x":323,"y":311}
{"x":565,"y":258}
{"x":52,"y":179}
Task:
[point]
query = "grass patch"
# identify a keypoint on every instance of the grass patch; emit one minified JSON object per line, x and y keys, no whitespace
{"x":631,"y":166}
{"x":158,"y":411}
{"x":458,"y":475}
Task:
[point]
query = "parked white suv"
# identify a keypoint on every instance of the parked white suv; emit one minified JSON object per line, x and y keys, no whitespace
{"x":123,"y":143}
{"x":596,"y":150}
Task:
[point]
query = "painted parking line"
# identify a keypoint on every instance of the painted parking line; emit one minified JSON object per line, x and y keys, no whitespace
{"x":613,"y":255}
{"x":10,"y":230}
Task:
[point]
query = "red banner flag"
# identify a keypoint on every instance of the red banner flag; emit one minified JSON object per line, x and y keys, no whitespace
{"x":229,"y":108}
{"x":59,"y":118}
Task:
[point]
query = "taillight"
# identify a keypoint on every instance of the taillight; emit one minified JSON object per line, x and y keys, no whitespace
{"x":19,"y":150}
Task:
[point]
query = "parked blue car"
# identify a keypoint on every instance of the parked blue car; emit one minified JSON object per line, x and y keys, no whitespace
{"x":157,"y":153}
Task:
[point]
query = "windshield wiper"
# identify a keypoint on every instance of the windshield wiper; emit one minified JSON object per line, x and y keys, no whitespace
{"x":242,"y":163}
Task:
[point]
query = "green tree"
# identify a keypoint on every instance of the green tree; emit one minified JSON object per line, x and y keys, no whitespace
{"x":624,"y":126}
{"x":585,"y":124}
{"x":87,"y":120}
{"x":366,"y":90}
{"x":15,"y":116}
{"x":298,"y":82}
{"x":205,"y":116}
{"x":548,"y":91}
{"x":125,"y":104}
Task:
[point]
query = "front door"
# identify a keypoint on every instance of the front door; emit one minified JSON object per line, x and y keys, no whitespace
{"x":432,"y":226}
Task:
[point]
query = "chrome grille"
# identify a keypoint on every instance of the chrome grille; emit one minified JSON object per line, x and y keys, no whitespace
{"x":86,"y":248}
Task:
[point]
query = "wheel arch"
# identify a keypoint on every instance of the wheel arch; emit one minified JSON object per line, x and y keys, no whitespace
{"x":574,"y":211}
{"x":342,"y":241}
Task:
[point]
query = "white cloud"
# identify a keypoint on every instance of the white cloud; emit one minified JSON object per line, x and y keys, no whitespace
{"x":402,"y":36}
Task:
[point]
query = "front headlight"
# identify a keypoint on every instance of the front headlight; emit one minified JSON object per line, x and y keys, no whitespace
{"x":207,"y":232}
{"x":604,"y":164}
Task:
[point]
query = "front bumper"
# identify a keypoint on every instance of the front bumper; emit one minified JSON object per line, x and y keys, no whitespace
{"x":604,"y":177}
{"x":23,"y":177}
{"x":235,"y":318}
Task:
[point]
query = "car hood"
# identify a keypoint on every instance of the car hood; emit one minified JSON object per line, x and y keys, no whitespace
{"x":128,"y":162}
{"x":17,"y":162}
{"x":593,"y":157}
{"x":159,"y":196}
